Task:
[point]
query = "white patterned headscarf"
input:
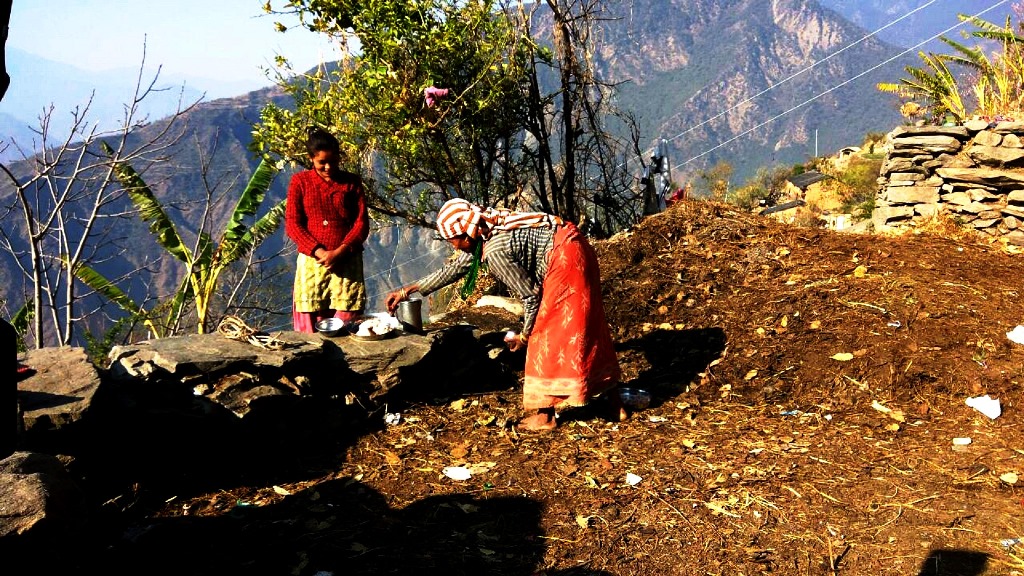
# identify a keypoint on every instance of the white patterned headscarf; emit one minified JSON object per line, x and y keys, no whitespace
{"x":458,"y":217}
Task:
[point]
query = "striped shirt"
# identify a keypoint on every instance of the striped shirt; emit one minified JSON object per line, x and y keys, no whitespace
{"x":517,"y":257}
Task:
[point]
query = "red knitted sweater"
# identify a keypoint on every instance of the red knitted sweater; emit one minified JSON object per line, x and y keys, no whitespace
{"x":326,"y":214}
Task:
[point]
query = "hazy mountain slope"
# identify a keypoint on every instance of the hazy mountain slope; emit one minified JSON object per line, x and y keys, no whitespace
{"x":38,"y":83}
{"x":746,"y":81}
{"x":923,"y":19}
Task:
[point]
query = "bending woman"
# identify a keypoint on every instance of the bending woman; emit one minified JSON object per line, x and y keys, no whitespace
{"x":548,"y":264}
{"x":327,"y":219}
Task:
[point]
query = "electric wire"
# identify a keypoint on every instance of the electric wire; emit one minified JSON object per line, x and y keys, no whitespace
{"x":836,"y":87}
{"x":801,"y":71}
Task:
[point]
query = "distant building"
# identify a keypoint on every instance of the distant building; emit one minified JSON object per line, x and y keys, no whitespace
{"x":811,"y":196}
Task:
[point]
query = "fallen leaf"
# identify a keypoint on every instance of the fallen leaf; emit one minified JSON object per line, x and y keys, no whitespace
{"x":784,"y":322}
{"x":881,"y":408}
{"x":460,"y":451}
{"x":590,"y":481}
{"x":688,"y":443}
{"x":486,"y":420}
{"x":894,"y":427}
{"x":481,"y":467}
{"x":718,"y":509}
{"x":750,"y":375}
{"x":860,"y":271}
{"x":458,"y":405}
{"x":583,"y":521}
{"x":842,"y":356}
{"x":392,"y":459}
{"x":860,"y":353}
{"x":815,"y":324}
{"x":1009,"y":477}
{"x":282,"y":491}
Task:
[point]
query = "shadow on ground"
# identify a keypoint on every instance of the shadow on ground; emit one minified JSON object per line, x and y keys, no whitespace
{"x":945,"y":562}
{"x":341,"y":527}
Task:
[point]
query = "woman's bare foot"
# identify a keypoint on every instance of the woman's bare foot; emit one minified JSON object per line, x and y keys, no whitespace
{"x":618,"y":410}
{"x":543,"y":420}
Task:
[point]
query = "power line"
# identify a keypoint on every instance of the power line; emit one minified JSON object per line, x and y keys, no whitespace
{"x":836,"y":87}
{"x":805,"y":69}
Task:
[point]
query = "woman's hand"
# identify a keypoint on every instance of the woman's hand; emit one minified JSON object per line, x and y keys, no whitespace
{"x":327,"y":258}
{"x":394,"y":298}
{"x":515,"y":342}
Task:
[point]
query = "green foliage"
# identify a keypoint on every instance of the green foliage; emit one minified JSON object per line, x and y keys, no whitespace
{"x":861,"y":179}
{"x":20,"y":322}
{"x":375,"y":103}
{"x":714,"y":182}
{"x":98,"y":348}
{"x":205,"y":261}
{"x":767,"y":185}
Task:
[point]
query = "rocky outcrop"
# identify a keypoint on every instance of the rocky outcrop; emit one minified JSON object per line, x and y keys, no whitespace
{"x":973,"y":172}
{"x":198,"y":409}
{"x":40,"y":503}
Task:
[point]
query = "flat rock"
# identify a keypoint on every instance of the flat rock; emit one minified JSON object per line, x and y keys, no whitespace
{"x":181,"y":356}
{"x":60,"y":391}
{"x":38,"y":497}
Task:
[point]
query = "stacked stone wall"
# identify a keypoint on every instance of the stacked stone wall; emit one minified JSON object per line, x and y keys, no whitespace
{"x":974,"y":173}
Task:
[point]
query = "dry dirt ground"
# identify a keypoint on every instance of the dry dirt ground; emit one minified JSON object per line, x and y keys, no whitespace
{"x":808,"y":386}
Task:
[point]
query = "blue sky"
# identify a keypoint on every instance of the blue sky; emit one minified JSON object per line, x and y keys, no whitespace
{"x":221,"y":40}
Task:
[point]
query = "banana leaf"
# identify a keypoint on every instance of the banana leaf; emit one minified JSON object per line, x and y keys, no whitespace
{"x":149,"y":207}
{"x":110,"y":291}
{"x":250,"y":200}
{"x":254,"y":236}
{"x":22,"y":316}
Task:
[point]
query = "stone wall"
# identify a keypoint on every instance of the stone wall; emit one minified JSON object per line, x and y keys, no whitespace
{"x":973,"y":172}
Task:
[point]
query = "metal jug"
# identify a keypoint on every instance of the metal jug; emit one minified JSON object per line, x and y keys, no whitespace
{"x":410,"y":315}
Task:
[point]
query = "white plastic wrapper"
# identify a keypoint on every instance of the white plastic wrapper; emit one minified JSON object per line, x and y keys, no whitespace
{"x":457,"y":472}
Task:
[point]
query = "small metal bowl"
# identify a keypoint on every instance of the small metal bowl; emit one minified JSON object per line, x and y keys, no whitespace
{"x":635,"y":398}
{"x":330,"y":326}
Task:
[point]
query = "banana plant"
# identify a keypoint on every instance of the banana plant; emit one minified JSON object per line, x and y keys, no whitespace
{"x":936,"y":85}
{"x":206,"y":260}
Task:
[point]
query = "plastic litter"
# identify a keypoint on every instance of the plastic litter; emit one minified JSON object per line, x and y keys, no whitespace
{"x":790,"y":413}
{"x":1016,"y":335}
{"x":1009,"y":542}
{"x":392,"y":418}
{"x":633,"y":479}
{"x":961,"y":441}
{"x":894,"y":324}
{"x":986,"y":405}
{"x":457,"y":472}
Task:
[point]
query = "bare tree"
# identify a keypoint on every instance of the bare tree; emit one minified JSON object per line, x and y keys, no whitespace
{"x":63,"y":198}
{"x":580,"y":164}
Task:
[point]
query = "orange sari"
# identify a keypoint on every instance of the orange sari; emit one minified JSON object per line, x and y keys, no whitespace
{"x":570,"y":357}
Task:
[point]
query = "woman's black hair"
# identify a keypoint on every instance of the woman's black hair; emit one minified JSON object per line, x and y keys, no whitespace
{"x":320,"y":140}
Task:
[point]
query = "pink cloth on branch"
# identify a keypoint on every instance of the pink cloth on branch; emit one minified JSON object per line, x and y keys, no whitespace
{"x":433,"y":94}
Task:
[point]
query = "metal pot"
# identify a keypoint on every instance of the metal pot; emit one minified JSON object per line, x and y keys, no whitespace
{"x":410,"y":314}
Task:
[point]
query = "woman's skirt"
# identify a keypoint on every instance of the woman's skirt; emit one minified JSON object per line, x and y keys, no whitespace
{"x":321,"y":293}
{"x":570,"y":357}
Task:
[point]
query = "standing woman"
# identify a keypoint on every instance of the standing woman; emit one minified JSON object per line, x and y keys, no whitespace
{"x":548,"y":264}
{"x":327,"y":219}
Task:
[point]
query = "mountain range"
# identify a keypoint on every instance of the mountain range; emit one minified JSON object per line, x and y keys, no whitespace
{"x":748,"y":82}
